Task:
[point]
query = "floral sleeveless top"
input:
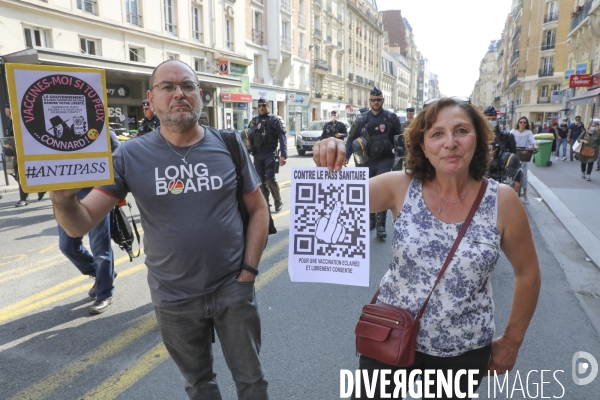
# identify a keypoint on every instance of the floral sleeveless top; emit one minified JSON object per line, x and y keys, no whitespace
{"x":460,"y":314}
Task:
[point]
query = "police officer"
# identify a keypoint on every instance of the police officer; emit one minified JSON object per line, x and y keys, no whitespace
{"x":410,"y":115}
{"x":334,"y":128}
{"x":371,"y":141}
{"x":504,"y":142}
{"x":266,"y":131}
{"x":150,"y":121}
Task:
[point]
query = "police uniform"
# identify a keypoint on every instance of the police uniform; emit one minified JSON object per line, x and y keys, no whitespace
{"x":266,"y":131}
{"x":504,"y":142}
{"x":332,"y":128}
{"x":374,"y":137}
{"x":148,"y":125}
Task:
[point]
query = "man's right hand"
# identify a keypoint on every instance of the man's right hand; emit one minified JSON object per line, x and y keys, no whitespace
{"x":330,"y":153}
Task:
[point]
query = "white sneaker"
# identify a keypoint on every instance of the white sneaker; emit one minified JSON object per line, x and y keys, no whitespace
{"x":583,"y":175}
{"x":564,"y":159}
{"x":525,"y":200}
{"x":588,"y":178}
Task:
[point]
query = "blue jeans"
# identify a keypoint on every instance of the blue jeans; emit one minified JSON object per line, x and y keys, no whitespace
{"x":99,"y":263}
{"x":187,"y":333}
{"x":561,"y":143}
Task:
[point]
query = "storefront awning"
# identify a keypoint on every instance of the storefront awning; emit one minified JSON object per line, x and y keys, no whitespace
{"x":589,"y":97}
{"x":53,"y":57}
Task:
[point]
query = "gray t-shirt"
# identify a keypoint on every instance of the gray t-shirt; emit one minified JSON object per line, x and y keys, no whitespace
{"x":193,"y":236}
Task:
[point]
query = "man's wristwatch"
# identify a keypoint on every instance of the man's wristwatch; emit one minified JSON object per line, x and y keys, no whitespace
{"x":249,"y":269}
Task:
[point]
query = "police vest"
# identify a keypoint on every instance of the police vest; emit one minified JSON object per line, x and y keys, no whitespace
{"x":332,"y":128}
{"x":265,"y":135}
{"x":379,"y":133}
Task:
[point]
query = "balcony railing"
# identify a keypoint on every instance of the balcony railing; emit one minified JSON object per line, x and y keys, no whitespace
{"x":258,"y":79}
{"x":543,"y":100}
{"x":319,"y":2}
{"x":517,"y":8}
{"x":277,"y":82}
{"x":134,"y":19}
{"x":301,"y":52}
{"x":350,"y":100}
{"x":371,"y":83}
{"x":328,"y":39}
{"x":513,"y":80}
{"x":581,"y":14}
{"x":350,"y":77}
{"x":514,"y":57}
{"x":198,"y":36}
{"x":339,"y":45}
{"x":322,"y":64}
{"x":286,"y":5}
{"x":517,"y":33}
{"x":551,"y":17}
{"x":317,"y":32}
{"x":286,"y":43}
{"x":546,"y":72}
{"x":257,"y":37}
{"x":547,"y":46}
{"x":359,"y":79}
{"x":302,"y":20}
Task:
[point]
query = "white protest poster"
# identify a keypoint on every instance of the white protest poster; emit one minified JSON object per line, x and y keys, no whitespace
{"x":329,"y":226}
{"x":61,"y":130}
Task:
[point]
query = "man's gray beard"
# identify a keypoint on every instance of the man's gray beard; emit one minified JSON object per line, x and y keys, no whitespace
{"x":182,"y":123}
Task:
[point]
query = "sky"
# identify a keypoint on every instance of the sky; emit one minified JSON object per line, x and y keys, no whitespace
{"x":453,"y":35}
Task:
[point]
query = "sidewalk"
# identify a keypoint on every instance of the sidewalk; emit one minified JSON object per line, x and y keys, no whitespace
{"x":12,"y":184}
{"x":572,"y":199}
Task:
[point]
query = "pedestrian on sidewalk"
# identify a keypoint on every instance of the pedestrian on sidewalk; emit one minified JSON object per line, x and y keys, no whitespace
{"x":524,"y":138}
{"x":575,"y":129}
{"x":589,"y":140}
{"x":561,"y":140}
{"x":23,"y":197}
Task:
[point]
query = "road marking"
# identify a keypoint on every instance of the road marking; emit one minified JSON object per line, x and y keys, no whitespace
{"x":12,"y":259}
{"x":73,"y":370}
{"x":49,"y":248}
{"x":119,"y":382}
{"x":46,"y":297}
{"x":45,"y":264}
{"x":123,"y":380}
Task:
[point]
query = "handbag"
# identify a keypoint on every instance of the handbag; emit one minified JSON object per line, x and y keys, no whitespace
{"x":387,"y":333}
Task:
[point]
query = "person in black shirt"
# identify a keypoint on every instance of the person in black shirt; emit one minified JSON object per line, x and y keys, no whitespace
{"x":575,"y":130}
{"x":150,"y":121}
{"x":561,"y":140}
{"x":334,"y":128}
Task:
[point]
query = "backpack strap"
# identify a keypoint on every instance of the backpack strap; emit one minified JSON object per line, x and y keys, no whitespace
{"x":137,"y":235}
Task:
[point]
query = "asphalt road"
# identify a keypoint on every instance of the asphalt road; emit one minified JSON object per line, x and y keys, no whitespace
{"x":51,"y":348}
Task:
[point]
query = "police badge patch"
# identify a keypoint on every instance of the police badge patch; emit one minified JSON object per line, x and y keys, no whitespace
{"x":382,"y":127}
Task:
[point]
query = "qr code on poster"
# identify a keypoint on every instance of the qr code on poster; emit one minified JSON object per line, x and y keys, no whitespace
{"x":315,"y":201}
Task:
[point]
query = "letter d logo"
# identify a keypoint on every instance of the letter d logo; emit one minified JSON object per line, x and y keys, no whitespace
{"x":582,"y":367}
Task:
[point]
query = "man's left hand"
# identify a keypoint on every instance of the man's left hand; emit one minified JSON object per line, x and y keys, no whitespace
{"x":282,"y":161}
{"x":245,"y":276}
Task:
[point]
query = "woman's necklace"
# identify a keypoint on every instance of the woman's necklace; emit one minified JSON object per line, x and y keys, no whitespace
{"x":186,"y":154}
{"x":438,"y":195}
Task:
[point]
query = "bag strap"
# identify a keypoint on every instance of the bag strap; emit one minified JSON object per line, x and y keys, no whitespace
{"x":137,"y":234}
{"x":233,"y":148}
{"x":461,"y":233}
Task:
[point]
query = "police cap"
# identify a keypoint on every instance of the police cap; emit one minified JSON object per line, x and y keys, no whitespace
{"x":145,"y":102}
{"x":490,"y":111}
{"x":262,"y":100}
{"x":410,"y":109}
{"x":333,"y":112}
{"x":376,"y":91}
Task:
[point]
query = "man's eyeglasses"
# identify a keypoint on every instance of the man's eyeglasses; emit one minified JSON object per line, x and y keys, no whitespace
{"x":263,"y":105}
{"x":168,"y":87}
{"x":458,"y":99}
{"x":376,"y":100}
{"x":146,"y":108}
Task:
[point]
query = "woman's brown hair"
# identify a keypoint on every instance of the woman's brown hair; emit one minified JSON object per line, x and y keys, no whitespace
{"x":419,"y":167}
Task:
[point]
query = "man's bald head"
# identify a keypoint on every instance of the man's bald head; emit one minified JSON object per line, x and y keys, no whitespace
{"x":169,"y":61}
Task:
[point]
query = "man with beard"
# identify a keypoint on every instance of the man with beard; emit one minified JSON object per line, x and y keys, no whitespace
{"x":201,"y":267}
{"x":371,"y":140}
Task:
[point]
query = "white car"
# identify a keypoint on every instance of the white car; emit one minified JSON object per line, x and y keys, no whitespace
{"x":306,"y":139}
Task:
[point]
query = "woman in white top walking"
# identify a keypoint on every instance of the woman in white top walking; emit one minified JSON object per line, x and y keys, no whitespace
{"x":524,"y":138}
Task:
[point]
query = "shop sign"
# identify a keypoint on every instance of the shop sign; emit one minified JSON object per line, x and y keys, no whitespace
{"x":224,"y":67}
{"x":236,"y":97}
{"x":556,"y":97}
{"x":568,"y":74}
{"x":583,"y":68}
{"x":117,"y":91}
{"x":238,"y":69}
{"x":576,"y":81}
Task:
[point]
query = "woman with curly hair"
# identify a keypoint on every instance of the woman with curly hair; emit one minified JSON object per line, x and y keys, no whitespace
{"x":448,"y":156}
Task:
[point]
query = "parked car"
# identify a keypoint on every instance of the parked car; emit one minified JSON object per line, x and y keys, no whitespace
{"x":118,"y":128}
{"x":306,"y":139}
